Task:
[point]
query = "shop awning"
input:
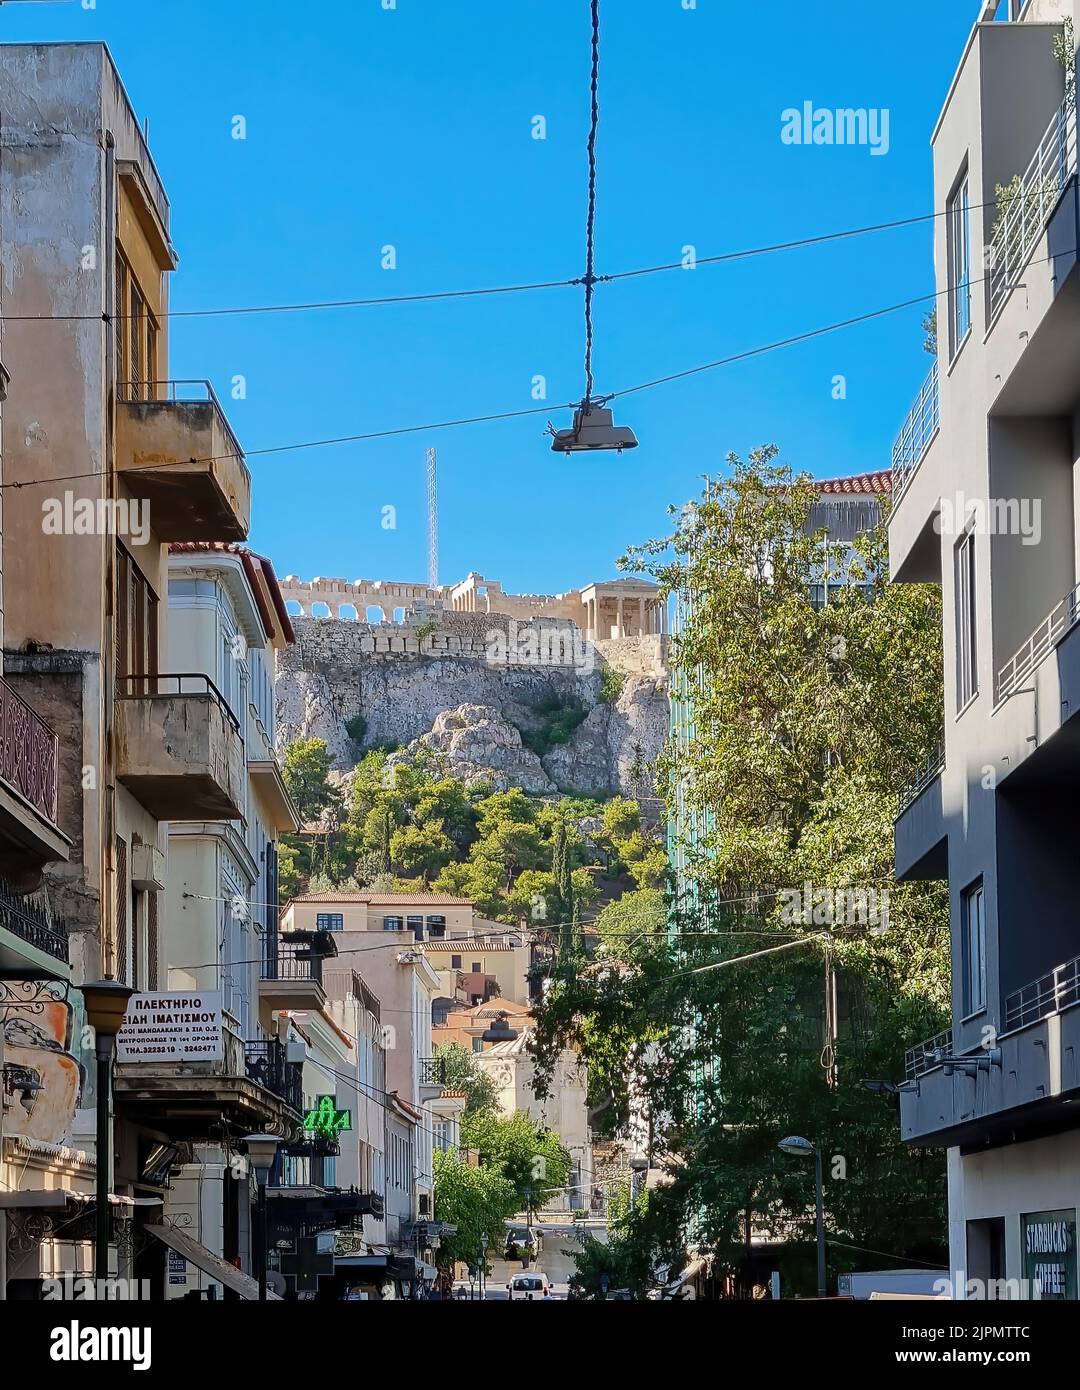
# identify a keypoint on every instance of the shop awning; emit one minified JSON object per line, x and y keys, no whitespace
{"x":209,"y":1263}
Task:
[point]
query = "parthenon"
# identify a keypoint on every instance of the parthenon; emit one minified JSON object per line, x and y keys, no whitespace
{"x":606,"y":609}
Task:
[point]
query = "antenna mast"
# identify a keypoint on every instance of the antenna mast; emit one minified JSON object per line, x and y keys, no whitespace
{"x":432,"y":519}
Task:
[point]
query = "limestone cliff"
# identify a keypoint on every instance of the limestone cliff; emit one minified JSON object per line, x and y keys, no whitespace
{"x":469,"y":686}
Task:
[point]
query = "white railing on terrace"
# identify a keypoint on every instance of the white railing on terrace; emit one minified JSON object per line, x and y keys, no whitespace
{"x":1041,"y":643}
{"x":919,"y":427}
{"x":1027,"y":210}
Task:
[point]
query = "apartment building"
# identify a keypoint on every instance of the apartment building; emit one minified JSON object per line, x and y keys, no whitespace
{"x":987,"y":504}
{"x":384,"y":936}
{"x":103,"y":445}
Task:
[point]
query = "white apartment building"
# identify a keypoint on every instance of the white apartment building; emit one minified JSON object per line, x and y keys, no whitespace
{"x":987,"y":505}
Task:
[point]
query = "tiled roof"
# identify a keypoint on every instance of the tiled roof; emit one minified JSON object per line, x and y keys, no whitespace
{"x":462,"y":946}
{"x":875,"y":484}
{"x":386,"y":899}
{"x":250,"y":559}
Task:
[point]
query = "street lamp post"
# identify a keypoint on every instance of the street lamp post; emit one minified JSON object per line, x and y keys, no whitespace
{"x":802,"y":1148}
{"x":262,"y":1150}
{"x":106,"y":1002}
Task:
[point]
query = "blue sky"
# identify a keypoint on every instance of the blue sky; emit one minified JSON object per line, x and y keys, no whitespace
{"x":413,"y":127}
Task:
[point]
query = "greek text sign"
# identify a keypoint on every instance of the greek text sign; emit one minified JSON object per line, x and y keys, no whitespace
{"x":176,"y":1027}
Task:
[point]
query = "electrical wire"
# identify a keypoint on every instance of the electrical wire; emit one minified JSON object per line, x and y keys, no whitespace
{"x":377,"y":301}
{"x":743,"y":356}
{"x":590,"y":217}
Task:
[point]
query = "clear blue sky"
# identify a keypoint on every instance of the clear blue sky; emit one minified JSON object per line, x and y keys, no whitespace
{"x":412,"y":127}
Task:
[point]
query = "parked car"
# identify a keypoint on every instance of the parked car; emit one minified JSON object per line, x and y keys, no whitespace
{"x":534,"y":1285}
{"x":523,"y":1242}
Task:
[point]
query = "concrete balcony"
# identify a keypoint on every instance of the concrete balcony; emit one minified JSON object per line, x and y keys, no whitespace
{"x":29,"y":763}
{"x":919,"y":832}
{"x":291,"y":976}
{"x":179,"y":749}
{"x":1029,"y":1086}
{"x":266,"y":776}
{"x":176,"y":450}
{"x":432,"y":1077}
{"x":252,"y":1087}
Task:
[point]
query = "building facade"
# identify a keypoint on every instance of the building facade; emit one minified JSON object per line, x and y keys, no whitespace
{"x":986,"y":505}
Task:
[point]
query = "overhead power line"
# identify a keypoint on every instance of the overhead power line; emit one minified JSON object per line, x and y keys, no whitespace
{"x":433,"y":296}
{"x":430,"y":427}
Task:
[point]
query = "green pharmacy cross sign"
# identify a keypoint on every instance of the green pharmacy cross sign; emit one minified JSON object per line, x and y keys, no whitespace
{"x":325,"y":1120}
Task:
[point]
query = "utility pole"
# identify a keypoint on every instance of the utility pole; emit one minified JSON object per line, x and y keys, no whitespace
{"x":432,"y":519}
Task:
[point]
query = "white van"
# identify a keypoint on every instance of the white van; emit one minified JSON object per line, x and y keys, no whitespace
{"x":533,"y":1285}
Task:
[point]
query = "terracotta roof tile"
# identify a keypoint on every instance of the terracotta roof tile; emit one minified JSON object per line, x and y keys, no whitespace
{"x":386,"y":899}
{"x":876,"y":484}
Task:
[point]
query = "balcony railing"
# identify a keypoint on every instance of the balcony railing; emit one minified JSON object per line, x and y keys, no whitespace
{"x":1026,"y":211}
{"x":433,"y":1071}
{"x":292,"y":961}
{"x":179,"y":392}
{"x":918,"y":429}
{"x":918,"y":782}
{"x":30,"y":923}
{"x":29,"y":753}
{"x":267,"y":1067}
{"x":922,"y":1058}
{"x":1040,"y":644}
{"x":142,"y":686}
{"x":1056,"y":990}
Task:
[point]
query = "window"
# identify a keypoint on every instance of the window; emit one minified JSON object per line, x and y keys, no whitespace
{"x":122,"y":927}
{"x":958,"y":224}
{"x":478,"y":1044}
{"x":151,"y":358}
{"x":967,"y":674}
{"x":436,"y":928}
{"x":477,"y":967}
{"x":121,"y":327}
{"x":974,"y":949}
{"x":393,"y":923}
{"x":416,"y":926}
{"x":455,"y":962}
{"x":135,"y":340}
{"x":329,"y":921}
{"x":136,"y":625}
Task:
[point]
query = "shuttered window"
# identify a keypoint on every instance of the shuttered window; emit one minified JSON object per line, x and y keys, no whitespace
{"x":122,"y":927}
{"x":120,"y":327}
{"x":136,"y":625}
{"x":135,"y":338}
{"x":152,"y":945}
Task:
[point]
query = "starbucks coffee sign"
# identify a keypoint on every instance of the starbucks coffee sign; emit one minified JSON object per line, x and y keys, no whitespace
{"x":1048,"y":1241}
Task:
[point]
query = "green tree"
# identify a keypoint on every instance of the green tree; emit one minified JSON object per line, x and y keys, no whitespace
{"x":421,"y":850}
{"x":461,"y":1072}
{"x":305,"y":768}
{"x":631,"y":925}
{"x":533,"y":1159}
{"x":478,"y":1201}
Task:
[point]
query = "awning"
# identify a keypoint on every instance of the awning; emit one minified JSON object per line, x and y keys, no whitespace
{"x":694,"y":1267}
{"x":209,"y":1263}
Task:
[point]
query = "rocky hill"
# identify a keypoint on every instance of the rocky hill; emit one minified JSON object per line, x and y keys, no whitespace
{"x":528,"y":705}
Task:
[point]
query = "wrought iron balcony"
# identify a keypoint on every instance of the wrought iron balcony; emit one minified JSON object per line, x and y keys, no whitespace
{"x":267,"y":1067}
{"x":916,"y":435}
{"x":919,"y":780}
{"x":922,"y":1058}
{"x":1027,"y":209}
{"x":29,"y":753}
{"x":26,"y":921}
{"x":433,"y":1071}
{"x":1056,"y":990}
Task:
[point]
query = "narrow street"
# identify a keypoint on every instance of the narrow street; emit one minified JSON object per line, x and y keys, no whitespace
{"x":560,"y":1239}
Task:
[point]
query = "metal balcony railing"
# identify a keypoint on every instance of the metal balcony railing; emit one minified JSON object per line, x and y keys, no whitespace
{"x":923,"y":1057}
{"x":1028,"y":208}
{"x":919,"y":427}
{"x":917,"y":783}
{"x":292,"y":961}
{"x":30,"y":923}
{"x":143,"y":686}
{"x":432,"y":1071}
{"x":267,"y":1067}
{"x":1049,"y":994}
{"x":29,"y":753}
{"x":1061,"y":619}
